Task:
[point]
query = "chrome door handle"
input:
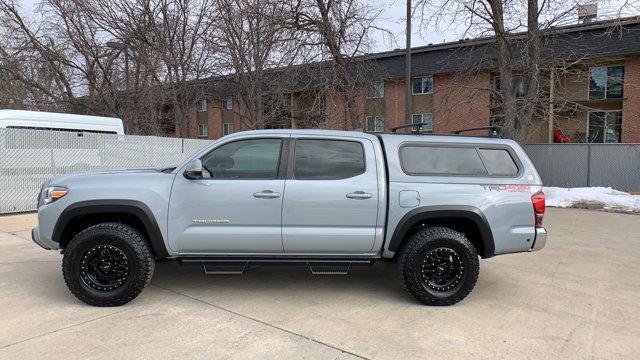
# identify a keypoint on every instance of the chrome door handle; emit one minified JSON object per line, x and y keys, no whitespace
{"x":359,"y":195}
{"x":266,"y":194}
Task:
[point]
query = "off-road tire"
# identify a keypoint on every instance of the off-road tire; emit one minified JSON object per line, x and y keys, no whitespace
{"x":129,"y":242}
{"x":411,"y":263}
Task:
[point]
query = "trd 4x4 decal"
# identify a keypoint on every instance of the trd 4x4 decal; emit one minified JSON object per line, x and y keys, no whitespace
{"x":509,"y":188}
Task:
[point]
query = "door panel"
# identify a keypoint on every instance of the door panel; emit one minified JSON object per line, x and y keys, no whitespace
{"x":236,"y":208}
{"x":330,"y":216}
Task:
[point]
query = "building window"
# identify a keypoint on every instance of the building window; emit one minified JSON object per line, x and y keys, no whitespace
{"x":606,"y":82}
{"x":604,"y":126}
{"x":227,"y":128}
{"x":516,"y":84}
{"x":203,"y":130}
{"x":375,"y":124}
{"x":426,"y":119}
{"x":227,"y":103}
{"x":423,"y":85}
{"x":202,"y":105}
{"x":375,"y":90}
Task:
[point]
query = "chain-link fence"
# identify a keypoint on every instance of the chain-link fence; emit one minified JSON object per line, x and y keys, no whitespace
{"x":28,"y":158}
{"x":580,"y":165}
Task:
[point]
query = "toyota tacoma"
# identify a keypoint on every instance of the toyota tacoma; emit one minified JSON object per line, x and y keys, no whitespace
{"x":329,"y":200}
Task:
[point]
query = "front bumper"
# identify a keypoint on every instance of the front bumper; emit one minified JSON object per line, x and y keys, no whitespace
{"x":45,"y":244}
{"x":540,"y":240}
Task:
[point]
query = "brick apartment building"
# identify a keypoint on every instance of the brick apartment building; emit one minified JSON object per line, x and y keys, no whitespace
{"x":592,"y":89}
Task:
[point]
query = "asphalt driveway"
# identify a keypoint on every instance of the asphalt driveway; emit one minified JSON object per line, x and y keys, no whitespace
{"x":576,"y":299}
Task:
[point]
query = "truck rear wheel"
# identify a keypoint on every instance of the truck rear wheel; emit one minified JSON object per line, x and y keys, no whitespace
{"x":108,"y":264}
{"x":439,"y":266}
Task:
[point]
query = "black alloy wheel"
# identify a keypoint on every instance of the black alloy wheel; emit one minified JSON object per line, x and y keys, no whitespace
{"x":442,"y":269}
{"x":104,"y":267}
{"x":438,"y":265}
{"x":108,"y":264}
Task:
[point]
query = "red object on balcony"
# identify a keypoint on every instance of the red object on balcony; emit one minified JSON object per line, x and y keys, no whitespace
{"x":559,"y":137}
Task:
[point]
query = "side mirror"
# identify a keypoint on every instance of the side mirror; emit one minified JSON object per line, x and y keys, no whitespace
{"x":193,"y":170}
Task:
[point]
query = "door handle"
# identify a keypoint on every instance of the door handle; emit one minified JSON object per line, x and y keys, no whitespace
{"x":359,"y":195}
{"x":266,"y":194}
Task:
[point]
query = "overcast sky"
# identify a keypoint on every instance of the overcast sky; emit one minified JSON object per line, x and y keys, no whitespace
{"x":393,"y":19}
{"x":394,"y":16}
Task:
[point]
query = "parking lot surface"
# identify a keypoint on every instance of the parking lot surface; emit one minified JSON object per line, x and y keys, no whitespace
{"x":576,"y":299}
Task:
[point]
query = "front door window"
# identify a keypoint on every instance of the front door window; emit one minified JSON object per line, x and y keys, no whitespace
{"x":243,"y":160}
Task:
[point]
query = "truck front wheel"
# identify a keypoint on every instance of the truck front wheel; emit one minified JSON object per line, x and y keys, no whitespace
{"x":439,"y":266}
{"x":107,"y":264}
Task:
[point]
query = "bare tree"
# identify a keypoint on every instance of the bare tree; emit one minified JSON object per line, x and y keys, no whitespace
{"x":163,"y":41}
{"x":342,"y":29}
{"x":258,"y":52}
{"x":28,"y":54}
{"x":517,"y":47}
{"x":25,"y":82}
{"x":180,"y":35}
{"x":144,"y":61}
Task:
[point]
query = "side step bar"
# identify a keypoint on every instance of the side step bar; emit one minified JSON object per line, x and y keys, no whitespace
{"x":329,"y":269}
{"x":237,"y":265}
{"x":220,"y":269}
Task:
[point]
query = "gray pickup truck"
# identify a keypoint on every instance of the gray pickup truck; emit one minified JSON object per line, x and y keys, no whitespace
{"x":325,"y":199}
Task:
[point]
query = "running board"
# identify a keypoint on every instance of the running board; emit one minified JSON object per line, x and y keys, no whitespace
{"x":220,"y":269}
{"x":238,"y":265}
{"x":329,"y":269}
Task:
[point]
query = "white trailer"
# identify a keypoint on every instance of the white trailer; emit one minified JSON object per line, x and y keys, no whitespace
{"x":37,"y":120}
{"x":34,"y":146}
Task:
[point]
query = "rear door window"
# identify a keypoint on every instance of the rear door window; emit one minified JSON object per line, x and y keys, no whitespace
{"x":328,"y":159}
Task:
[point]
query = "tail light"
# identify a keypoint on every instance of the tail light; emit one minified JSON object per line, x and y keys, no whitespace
{"x":537,"y":200}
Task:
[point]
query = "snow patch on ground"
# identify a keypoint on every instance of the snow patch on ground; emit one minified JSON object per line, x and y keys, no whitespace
{"x":592,"y":198}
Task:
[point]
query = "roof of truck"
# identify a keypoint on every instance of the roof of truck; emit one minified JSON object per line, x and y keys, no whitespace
{"x":397,"y":137}
{"x":311,"y":132}
{"x":438,"y":138}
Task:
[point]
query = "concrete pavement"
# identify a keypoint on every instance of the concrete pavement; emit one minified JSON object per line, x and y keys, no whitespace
{"x":576,"y":299}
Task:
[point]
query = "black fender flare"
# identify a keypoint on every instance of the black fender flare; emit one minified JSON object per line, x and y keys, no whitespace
{"x":425,"y":213}
{"x":130,"y":207}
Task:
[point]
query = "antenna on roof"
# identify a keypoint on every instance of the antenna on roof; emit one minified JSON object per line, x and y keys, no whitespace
{"x":587,"y":12}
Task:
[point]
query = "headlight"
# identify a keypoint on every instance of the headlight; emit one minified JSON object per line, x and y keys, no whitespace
{"x":50,"y":194}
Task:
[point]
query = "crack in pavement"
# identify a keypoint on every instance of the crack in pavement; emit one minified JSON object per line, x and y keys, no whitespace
{"x":28,"y":262}
{"x":15,"y":234}
{"x":63,"y":328}
{"x":259,"y":321}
